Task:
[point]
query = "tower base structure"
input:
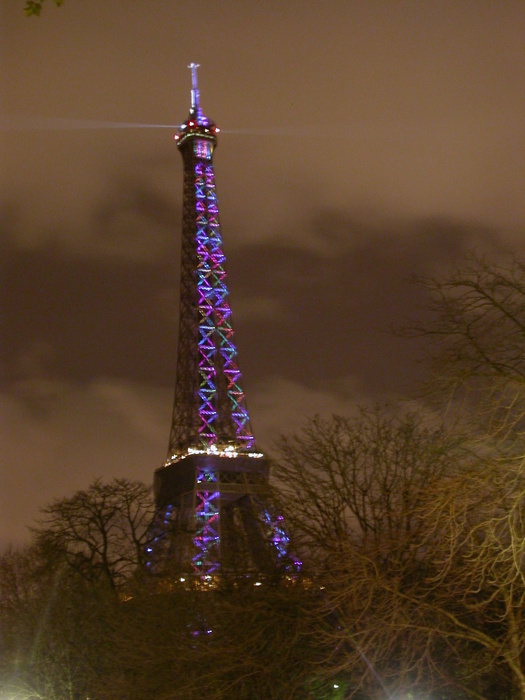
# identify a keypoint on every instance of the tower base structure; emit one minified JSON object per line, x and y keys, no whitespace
{"x":214,"y":518}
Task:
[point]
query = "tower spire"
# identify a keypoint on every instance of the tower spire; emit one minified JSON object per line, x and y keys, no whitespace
{"x":194,"y":89}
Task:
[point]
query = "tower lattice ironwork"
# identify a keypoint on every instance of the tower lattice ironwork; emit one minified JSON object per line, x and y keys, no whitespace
{"x":213,"y":511}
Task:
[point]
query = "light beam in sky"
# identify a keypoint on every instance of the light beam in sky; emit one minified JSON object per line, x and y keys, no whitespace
{"x":14,"y":123}
{"x":9,"y":123}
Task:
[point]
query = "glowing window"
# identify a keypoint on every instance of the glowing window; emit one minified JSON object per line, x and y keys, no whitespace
{"x":202,"y":149}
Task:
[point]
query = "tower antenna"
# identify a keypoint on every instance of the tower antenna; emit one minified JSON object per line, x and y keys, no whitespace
{"x":194,"y":89}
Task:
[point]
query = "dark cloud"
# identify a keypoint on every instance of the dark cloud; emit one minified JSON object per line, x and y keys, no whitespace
{"x":310,"y":315}
{"x":339,"y":310}
{"x":133,"y":221}
{"x":96,"y":318}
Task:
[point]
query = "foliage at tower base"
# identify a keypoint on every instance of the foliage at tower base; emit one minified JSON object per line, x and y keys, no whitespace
{"x":247,"y":642}
{"x":65,"y":637}
{"x":77,"y":621}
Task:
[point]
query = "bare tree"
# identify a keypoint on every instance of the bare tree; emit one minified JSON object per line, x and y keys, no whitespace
{"x":474,"y":593}
{"x":353,"y":491}
{"x":357,"y":480}
{"x":53,"y":627}
{"x":473,"y":597}
{"x":100,"y":532}
{"x":475,"y":342}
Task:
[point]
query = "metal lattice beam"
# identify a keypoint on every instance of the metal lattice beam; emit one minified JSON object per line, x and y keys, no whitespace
{"x":210,"y":404}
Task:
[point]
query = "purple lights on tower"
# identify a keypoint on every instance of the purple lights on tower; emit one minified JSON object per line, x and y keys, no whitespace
{"x":210,"y":405}
{"x":206,"y":539}
{"x":215,"y":344}
{"x":214,"y":515}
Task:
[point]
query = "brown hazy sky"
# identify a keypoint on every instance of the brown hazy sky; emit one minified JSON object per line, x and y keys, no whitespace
{"x":362,"y":141}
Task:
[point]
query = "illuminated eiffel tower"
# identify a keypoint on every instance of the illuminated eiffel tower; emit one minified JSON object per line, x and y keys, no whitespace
{"x":213,"y":514}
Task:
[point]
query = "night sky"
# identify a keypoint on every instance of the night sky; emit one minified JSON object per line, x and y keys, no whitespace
{"x":362,"y":142}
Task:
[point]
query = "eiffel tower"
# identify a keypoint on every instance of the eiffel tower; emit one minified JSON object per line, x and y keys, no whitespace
{"x":213,"y":516}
